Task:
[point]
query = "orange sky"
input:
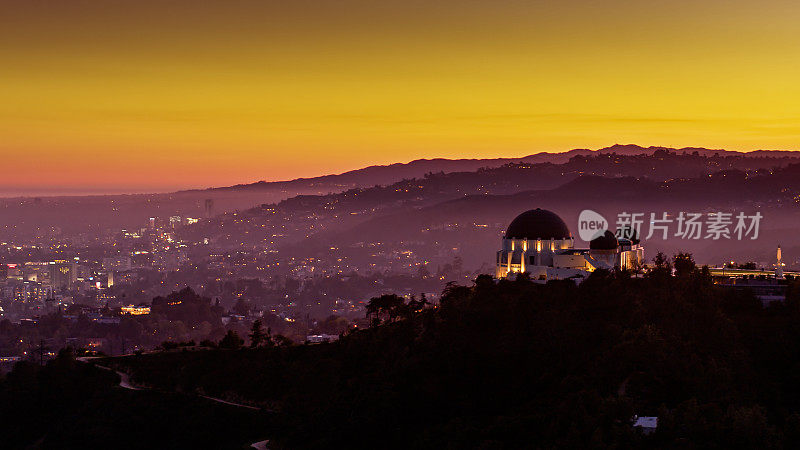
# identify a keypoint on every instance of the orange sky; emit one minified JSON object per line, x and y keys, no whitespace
{"x":155,"y":95}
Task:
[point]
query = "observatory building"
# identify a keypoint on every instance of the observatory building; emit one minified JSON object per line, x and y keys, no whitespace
{"x":539,"y":243}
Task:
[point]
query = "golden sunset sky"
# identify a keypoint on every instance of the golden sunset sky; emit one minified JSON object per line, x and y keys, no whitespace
{"x":115,"y":95}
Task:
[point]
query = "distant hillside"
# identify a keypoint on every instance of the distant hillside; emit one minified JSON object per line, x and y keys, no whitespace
{"x":403,"y":210}
{"x":473,"y":221}
{"x":382,"y":175}
{"x":88,"y":217}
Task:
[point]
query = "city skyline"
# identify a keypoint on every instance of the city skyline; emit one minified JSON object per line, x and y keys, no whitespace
{"x":112,"y":97}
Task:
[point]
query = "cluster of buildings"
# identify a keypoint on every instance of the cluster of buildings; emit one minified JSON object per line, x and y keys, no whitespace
{"x":767,"y":285}
{"x":30,"y":288}
{"x":33,"y":289}
{"x":42,"y":285}
{"x":539,"y":243}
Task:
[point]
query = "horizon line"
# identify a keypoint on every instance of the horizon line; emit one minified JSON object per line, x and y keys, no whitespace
{"x":11,"y":192}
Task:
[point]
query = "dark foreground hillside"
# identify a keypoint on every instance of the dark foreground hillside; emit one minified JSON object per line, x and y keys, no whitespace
{"x":72,"y":405}
{"x":516,"y":364}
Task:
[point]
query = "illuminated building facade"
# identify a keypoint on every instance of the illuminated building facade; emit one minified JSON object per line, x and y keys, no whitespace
{"x":135,"y":310}
{"x":539,"y":243}
{"x":63,"y":274}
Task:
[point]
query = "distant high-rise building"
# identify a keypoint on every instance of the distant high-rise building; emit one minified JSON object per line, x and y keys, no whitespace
{"x":209,"y":205}
{"x":14,"y":271}
{"x":35,"y":271}
{"x":118,"y":263}
{"x":63,"y":274}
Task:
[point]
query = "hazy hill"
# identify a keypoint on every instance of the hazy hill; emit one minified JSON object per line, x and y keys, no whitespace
{"x":387,"y":174}
{"x":474,"y":223}
{"x":464,"y":213}
{"x":92,"y":215}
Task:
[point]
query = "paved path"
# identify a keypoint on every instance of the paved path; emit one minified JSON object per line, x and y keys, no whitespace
{"x":125,"y":382}
{"x":124,"y":378}
{"x":225,"y":402}
{"x":260,"y":445}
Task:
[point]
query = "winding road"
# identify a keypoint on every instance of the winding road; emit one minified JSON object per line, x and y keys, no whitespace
{"x":125,"y":383}
{"x":124,"y":378}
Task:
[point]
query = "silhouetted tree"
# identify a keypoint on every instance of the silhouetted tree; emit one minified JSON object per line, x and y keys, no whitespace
{"x":231,"y":341}
{"x":389,"y":305}
{"x":662,"y":268}
{"x":282,"y":341}
{"x":684,"y":265}
{"x":257,"y":334}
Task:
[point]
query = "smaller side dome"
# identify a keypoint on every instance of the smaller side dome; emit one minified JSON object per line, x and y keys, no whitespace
{"x":628,"y":234}
{"x":605,"y":242}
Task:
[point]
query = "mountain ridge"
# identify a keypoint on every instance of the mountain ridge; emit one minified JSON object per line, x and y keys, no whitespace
{"x":419,"y":167}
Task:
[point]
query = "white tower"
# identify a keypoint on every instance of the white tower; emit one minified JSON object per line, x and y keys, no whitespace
{"x":779,"y":269}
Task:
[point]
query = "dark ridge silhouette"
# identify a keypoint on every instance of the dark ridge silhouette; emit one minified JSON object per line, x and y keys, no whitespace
{"x":383,"y":174}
